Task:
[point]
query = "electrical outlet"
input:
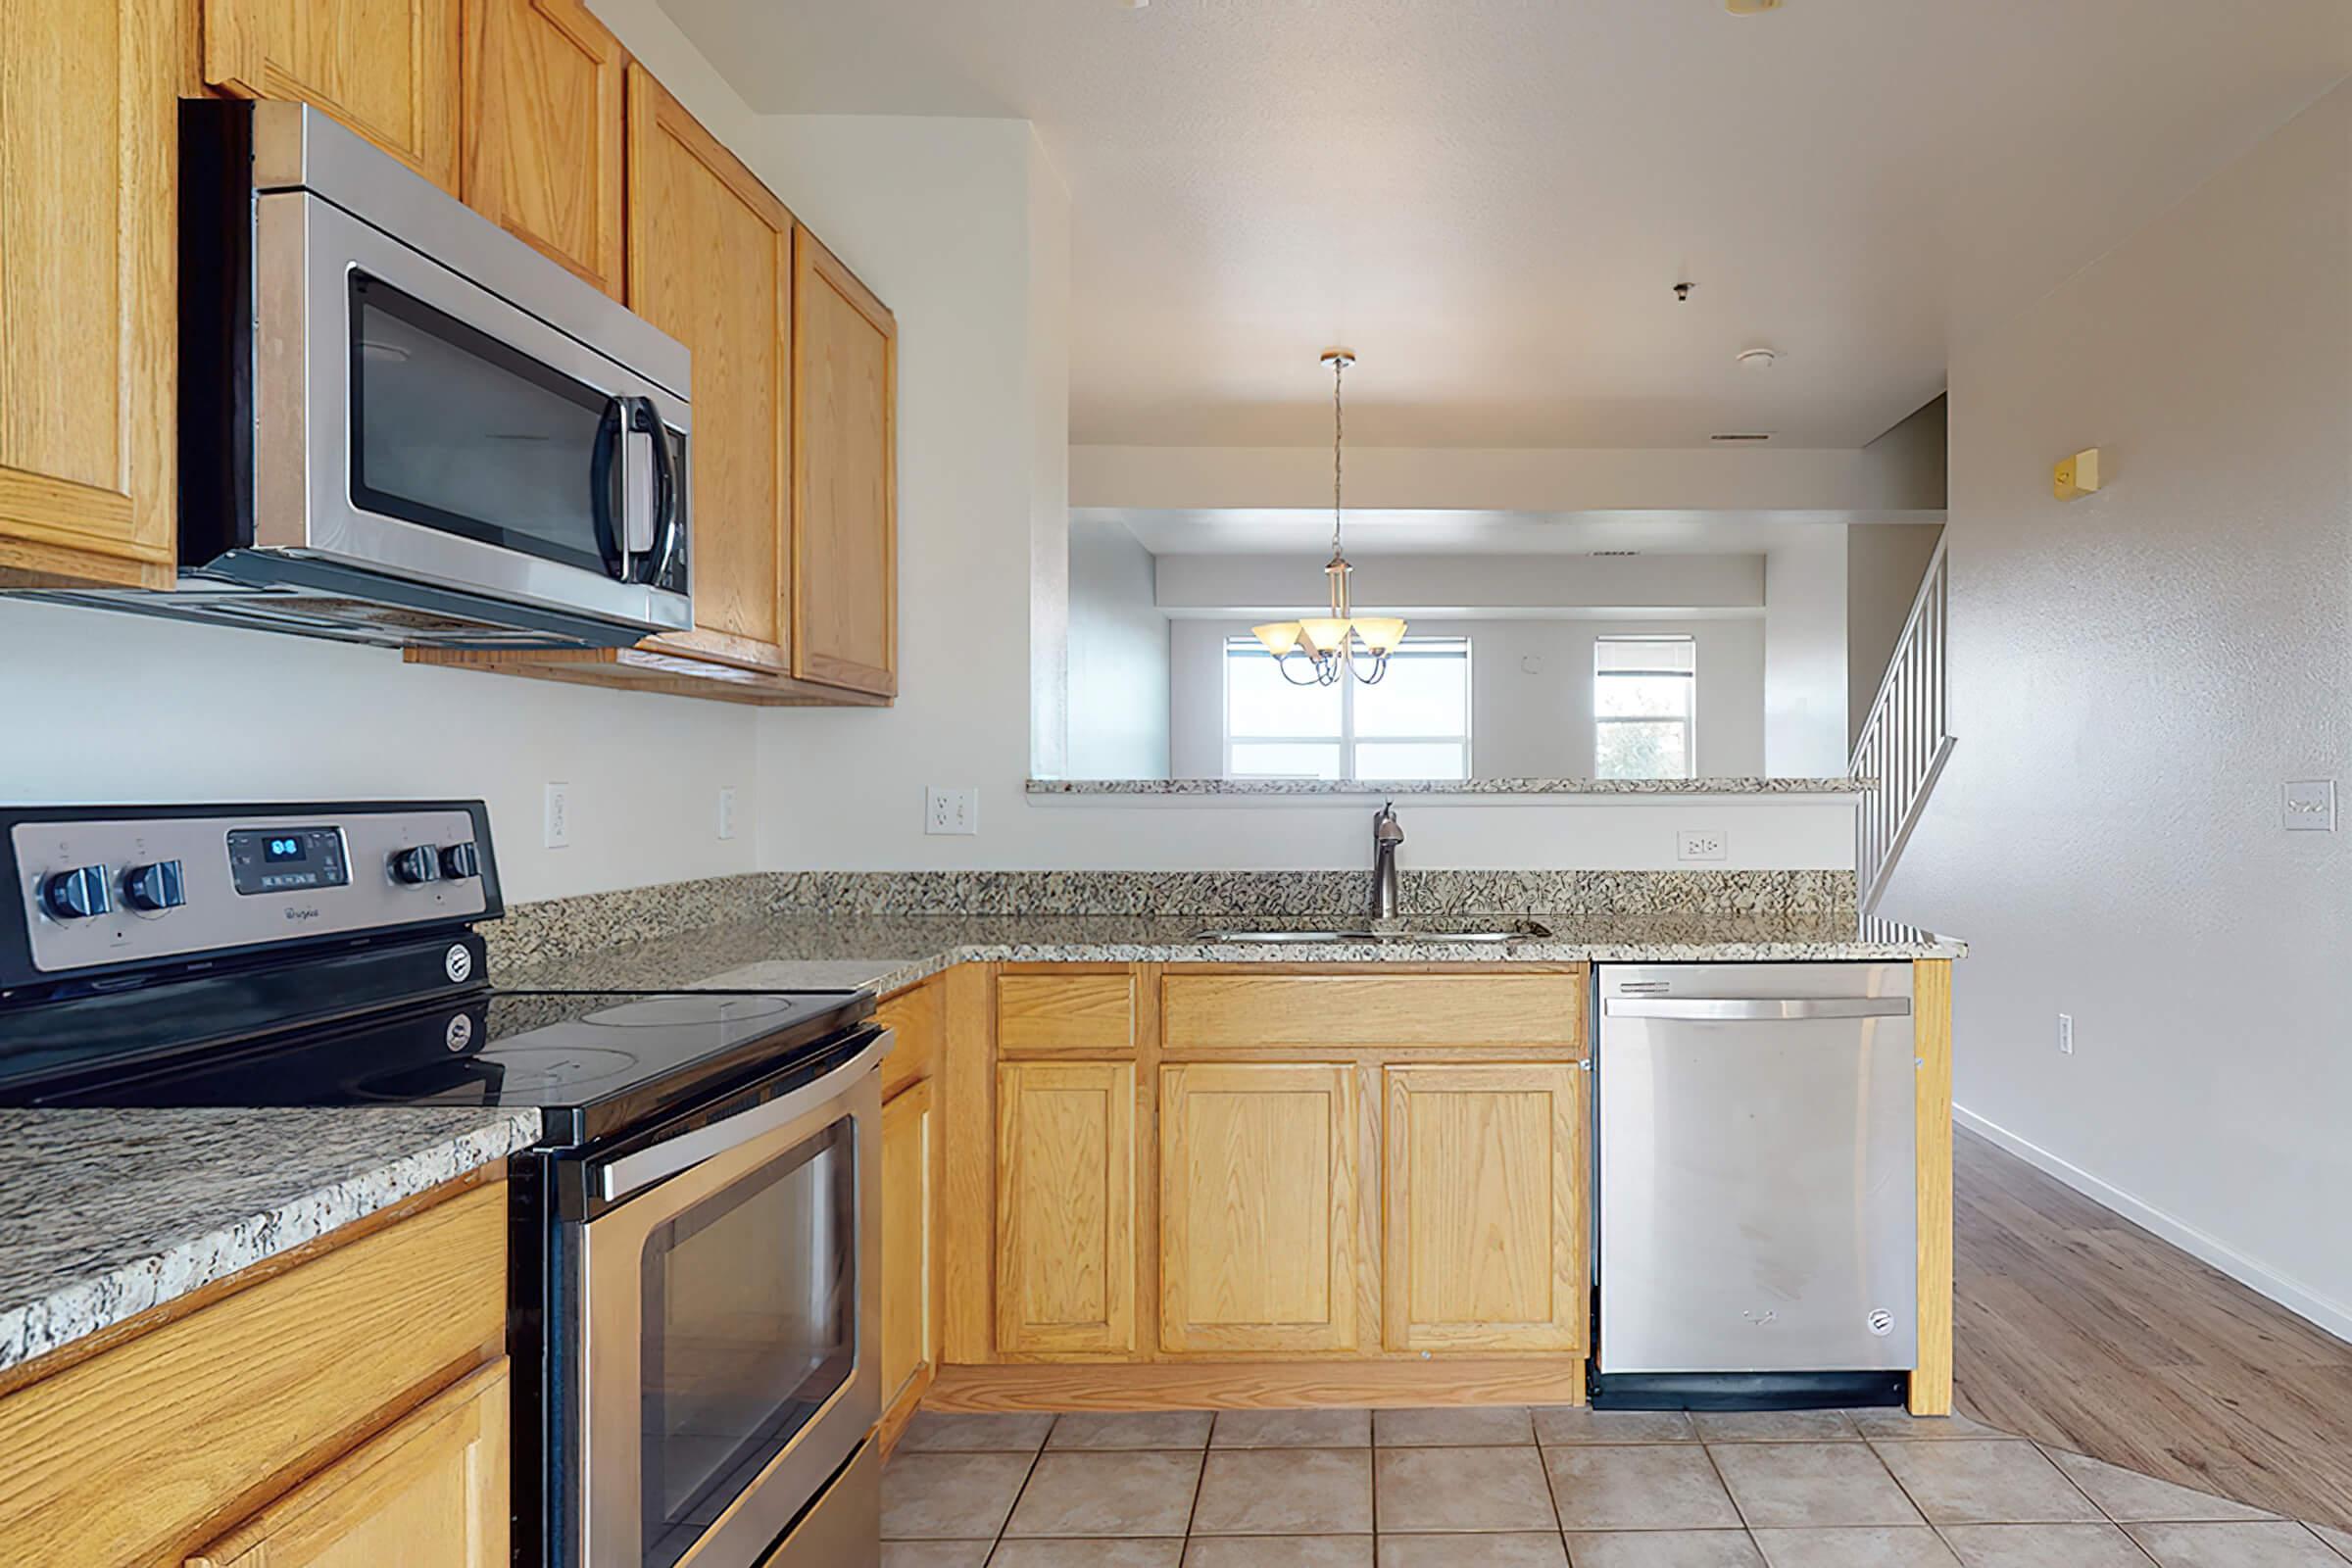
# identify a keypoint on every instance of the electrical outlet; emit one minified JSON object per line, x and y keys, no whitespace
{"x":947,"y":810}
{"x":726,"y":810}
{"x":1698,"y":844}
{"x":2066,"y":1034}
{"x":2308,"y":805}
{"x":557,"y":817}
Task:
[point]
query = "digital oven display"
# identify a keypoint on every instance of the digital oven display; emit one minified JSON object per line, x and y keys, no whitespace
{"x":287,"y":859}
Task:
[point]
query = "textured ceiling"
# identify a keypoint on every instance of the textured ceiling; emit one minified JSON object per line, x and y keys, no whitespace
{"x":1489,"y":198}
{"x":1264,"y":531}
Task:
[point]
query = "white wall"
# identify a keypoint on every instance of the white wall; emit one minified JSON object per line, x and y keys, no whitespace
{"x":1804,"y":656}
{"x":106,"y":706}
{"x":1430,"y":585}
{"x":1884,"y":563}
{"x":1118,"y":658}
{"x":2133,"y":676}
{"x":1523,"y":724}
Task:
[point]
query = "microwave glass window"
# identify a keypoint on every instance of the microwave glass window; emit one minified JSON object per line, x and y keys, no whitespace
{"x":750,"y":1325}
{"x":455,"y":430}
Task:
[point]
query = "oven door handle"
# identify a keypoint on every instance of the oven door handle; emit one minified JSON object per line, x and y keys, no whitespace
{"x":632,"y":1173}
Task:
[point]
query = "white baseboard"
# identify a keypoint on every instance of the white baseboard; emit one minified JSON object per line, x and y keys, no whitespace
{"x":2293,"y":1294}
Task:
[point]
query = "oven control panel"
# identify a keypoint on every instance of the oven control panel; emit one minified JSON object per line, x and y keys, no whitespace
{"x":117,"y":888}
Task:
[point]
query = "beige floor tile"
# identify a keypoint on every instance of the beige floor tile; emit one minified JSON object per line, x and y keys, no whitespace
{"x":1522,"y":1550}
{"x":1466,"y":1427}
{"x":1986,"y":1483}
{"x":1665,"y":1548}
{"x":1802,"y":1486}
{"x":949,"y":1497}
{"x":1286,"y":1492}
{"x":961,"y":1432}
{"x":1581,"y":1423}
{"x":1774,"y":1425}
{"x":2270,"y":1544}
{"x":1097,"y":1554}
{"x":1902,"y":1426}
{"x":2127,"y":1494}
{"x":1079,"y":1493}
{"x":2043,"y":1547}
{"x":934,"y":1553}
{"x":2340,"y":1540}
{"x":1428,"y":1491}
{"x":1132,"y":1429}
{"x":1293,"y":1428}
{"x":1661,"y":1487}
{"x":1278,"y":1552}
{"x":1874,"y":1546}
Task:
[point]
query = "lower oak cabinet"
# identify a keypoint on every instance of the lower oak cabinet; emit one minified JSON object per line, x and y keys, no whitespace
{"x":342,"y":1407}
{"x":1065,"y":1207}
{"x":1258,"y":1207}
{"x":907,"y":1329}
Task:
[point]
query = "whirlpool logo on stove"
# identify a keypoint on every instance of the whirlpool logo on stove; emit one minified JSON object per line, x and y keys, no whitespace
{"x":299,"y":913}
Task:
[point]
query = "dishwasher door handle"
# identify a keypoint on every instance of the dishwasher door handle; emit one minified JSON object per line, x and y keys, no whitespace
{"x":1756,"y":1009}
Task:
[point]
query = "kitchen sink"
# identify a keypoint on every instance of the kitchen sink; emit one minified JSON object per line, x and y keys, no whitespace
{"x":1506,"y":931}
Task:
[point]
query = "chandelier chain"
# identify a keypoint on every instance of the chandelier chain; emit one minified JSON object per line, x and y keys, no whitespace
{"x":1339,"y":368}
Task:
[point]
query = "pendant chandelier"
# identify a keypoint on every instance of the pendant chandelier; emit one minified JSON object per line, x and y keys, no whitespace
{"x":1341,"y":643}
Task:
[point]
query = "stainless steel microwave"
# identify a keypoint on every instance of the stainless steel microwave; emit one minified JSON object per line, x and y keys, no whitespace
{"x":401,"y":424}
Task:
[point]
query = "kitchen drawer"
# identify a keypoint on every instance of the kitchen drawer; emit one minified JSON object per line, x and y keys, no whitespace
{"x":140,"y":1452}
{"x":1372,"y":1010}
{"x":917,"y":1017}
{"x":1092,"y":1012}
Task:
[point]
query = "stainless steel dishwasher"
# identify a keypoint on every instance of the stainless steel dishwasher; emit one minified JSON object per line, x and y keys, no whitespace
{"x":1758,"y":1195}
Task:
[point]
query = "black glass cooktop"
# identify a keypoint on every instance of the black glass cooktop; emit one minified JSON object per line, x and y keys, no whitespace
{"x":592,"y":1062}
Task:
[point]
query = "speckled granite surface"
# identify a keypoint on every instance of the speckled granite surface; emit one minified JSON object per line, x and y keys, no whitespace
{"x":106,"y":1214}
{"x":1449,"y":786}
{"x":882,"y":953}
{"x":561,"y":929}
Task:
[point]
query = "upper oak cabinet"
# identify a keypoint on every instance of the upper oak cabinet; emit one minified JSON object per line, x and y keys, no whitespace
{"x":87,"y":293}
{"x":543,"y":130}
{"x":844,"y":477}
{"x":391,"y":69}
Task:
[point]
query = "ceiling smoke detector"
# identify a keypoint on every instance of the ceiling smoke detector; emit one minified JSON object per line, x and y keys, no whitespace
{"x":1758,"y":359}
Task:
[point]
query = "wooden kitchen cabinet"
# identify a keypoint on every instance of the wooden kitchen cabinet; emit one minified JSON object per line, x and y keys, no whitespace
{"x":909,"y":1343}
{"x":391,"y":69}
{"x":1258,"y":1207}
{"x":1065,"y":1207}
{"x":1485,"y":1237}
{"x":844,"y":572}
{"x":432,"y":1489}
{"x":88,"y":293}
{"x":544,"y":155}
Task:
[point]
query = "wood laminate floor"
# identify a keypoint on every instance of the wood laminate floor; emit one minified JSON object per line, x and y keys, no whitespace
{"x":2077,"y":1328}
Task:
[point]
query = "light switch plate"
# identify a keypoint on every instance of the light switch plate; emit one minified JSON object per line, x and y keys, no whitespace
{"x":2308,"y":805}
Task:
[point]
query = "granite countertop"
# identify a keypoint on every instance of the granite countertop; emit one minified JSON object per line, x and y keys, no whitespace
{"x":804,"y":951}
{"x":1449,"y":786}
{"x":110,"y":1212}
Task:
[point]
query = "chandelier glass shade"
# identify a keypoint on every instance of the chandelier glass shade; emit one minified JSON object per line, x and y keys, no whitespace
{"x":1342,"y":642}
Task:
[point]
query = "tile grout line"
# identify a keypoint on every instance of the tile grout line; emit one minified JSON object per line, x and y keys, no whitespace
{"x":1021,"y":1490}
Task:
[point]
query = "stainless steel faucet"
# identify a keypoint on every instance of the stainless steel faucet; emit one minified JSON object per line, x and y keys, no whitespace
{"x":1386,"y":836}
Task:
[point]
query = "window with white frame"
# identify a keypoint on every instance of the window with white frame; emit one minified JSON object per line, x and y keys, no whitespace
{"x":1414,"y":723}
{"x":1644,"y":707}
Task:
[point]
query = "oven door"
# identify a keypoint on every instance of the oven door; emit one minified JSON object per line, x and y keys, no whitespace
{"x":410,"y":422}
{"x":730,"y":1327}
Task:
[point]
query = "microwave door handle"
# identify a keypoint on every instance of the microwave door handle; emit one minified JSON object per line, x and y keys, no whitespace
{"x":641,"y":472}
{"x":662,"y":533}
{"x":1729,"y":1009}
{"x":632,"y":1172}
{"x":611,"y":446}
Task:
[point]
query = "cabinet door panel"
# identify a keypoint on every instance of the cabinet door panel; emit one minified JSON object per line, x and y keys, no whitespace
{"x":710,"y":264}
{"x":1258,"y":1207}
{"x":845,"y":480}
{"x":543,"y":130}
{"x":431,"y":1488}
{"x":907,"y":1329}
{"x":87,"y":292}
{"x":1065,"y":1206}
{"x":1485,"y":1246}
{"x":391,"y":69}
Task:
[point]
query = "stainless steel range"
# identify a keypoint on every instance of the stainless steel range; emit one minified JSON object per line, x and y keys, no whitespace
{"x":692,"y":1316}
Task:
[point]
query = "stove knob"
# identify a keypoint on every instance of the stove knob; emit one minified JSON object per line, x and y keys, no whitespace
{"x":461,"y":860}
{"x":155,"y":887}
{"x":76,"y":894}
{"x":420,"y":865}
